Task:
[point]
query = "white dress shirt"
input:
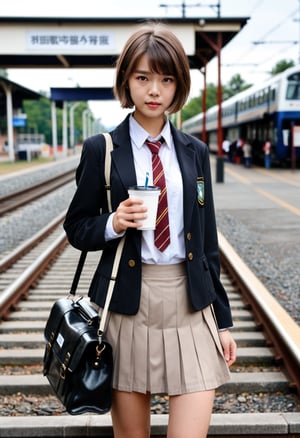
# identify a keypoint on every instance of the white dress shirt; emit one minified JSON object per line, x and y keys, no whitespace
{"x":175,"y":252}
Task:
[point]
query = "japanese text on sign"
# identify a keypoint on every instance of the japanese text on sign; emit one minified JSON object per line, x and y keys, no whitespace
{"x":70,"y":40}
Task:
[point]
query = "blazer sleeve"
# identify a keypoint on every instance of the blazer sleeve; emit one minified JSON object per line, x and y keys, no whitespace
{"x":211,"y":248}
{"x":87,"y":214}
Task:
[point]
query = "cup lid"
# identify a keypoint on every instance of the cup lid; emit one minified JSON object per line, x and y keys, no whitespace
{"x":144,"y":188}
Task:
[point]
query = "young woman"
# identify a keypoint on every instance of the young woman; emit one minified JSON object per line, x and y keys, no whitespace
{"x":169,"y":314}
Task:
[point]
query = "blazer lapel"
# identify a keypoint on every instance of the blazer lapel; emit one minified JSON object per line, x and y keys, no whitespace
{"x":122,"y":156}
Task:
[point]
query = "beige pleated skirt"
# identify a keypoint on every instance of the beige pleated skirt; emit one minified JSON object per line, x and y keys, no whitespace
{"x":166,"y":347}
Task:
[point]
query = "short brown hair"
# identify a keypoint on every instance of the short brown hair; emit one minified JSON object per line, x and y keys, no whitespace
{"x":166,"y":56}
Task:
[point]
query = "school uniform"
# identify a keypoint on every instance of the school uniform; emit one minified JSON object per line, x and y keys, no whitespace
{"x":166,"y":309}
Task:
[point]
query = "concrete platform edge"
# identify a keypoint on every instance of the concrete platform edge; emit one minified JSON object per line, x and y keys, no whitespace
{"x":94,"y":425}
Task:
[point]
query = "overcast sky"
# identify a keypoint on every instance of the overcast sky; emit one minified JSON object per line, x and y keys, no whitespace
{"x":275,"y":23}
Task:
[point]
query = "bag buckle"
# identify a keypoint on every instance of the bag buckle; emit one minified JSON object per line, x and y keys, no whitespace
{"x":64,"y":366}
{"x":51,"y":341}
{"x":99,"y":350}
{"x":63,"y":370}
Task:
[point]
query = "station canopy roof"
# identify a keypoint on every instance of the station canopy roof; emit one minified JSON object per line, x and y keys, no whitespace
{"x":74,"y":42}
{"x":19,"y":94}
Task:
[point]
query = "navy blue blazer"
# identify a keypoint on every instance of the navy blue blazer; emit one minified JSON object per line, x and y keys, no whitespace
{"x":88,"y":213}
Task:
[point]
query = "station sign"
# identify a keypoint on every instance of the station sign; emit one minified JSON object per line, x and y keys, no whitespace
{"x":70,"y":40}
{"x":20,"y":121}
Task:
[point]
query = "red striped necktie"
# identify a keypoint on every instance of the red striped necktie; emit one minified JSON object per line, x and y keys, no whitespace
{"x":162,"y":230}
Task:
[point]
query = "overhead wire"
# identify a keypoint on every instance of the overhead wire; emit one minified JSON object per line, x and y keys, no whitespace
{"x":263,"y":38}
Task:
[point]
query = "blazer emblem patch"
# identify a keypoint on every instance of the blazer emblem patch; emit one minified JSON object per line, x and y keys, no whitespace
{"x":200,"y":190}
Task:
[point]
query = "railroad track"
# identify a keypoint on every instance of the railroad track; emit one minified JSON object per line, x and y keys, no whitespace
{"x":17,"y":199}
{"x":49,"y":269}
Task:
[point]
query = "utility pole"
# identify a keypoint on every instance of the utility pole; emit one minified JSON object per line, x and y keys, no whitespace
{"x":214,"y":6}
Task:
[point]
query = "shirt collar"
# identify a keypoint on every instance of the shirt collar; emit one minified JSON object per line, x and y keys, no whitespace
{"x":139,"y":135}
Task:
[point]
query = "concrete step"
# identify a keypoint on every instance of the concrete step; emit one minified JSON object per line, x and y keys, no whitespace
{"x":30,"y":315}
{"x":23,"y":315}
{"x":12,"y":340}
{"x":241,"y":315}
{"x":36,"y":325}
{"x":45,"y":297}
{"x":44,"y":303}
{"x":26,"y":356}
{"x":240,"y":382}
{"x":242,"y":325}
{"x":247,"y":339}
{"x":22,"y":326}
{"x":27,"y":340}
{"x":33,"y":305}
{"x":237,"y":304}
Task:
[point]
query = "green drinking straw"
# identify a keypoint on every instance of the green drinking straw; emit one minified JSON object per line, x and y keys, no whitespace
{"x":147,"y":179}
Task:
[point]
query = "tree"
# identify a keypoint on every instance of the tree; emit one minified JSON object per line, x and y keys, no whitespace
{"x":194,"y":106}
{"x":234,"y":86}
{"x":39,"y":119}
{"x":190,"y":109}
{"x":281,"y":66}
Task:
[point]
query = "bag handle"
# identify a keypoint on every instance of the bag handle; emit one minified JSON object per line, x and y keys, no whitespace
{"x":78,"y":273}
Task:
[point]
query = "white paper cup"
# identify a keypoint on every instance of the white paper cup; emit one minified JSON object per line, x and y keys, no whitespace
{"x":149,"y":196}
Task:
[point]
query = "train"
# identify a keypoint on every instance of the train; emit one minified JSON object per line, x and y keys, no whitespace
{"x":269,"y":110}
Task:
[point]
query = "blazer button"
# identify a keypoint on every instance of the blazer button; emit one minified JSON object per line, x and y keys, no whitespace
{"x":131,"y":263}
{"x":189,"y":236}
{"x":190,"y":256}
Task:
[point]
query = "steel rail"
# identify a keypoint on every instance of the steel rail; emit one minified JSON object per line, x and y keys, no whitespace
{"x":19,"y":288}
{"x":18,"y":199}
{"x":281,"y":331}
{"x":28,"y":244}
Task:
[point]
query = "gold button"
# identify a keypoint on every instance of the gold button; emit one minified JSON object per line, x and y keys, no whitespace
{"x":189,"y":236}
{"x":190,"y":256}
{"x":131,"y":263}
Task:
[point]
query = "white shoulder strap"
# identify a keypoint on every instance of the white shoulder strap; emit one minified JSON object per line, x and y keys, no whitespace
{"x":111,"y":286}
{"x":109,"y":148}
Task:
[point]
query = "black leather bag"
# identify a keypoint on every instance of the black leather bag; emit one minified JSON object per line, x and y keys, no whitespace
{"x":78,"y":359}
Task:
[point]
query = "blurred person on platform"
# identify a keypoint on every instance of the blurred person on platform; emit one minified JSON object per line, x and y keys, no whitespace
{"x":247,"y":151}
{"x":267,"y":153}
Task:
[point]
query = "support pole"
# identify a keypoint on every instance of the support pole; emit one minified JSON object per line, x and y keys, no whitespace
{"x":65,"y":129}
{"x":9,"y":116}
{"x":54,"y":129}
{"x":220,"y":158}
{"x":204,"y":132}
{"x":72,"y":129}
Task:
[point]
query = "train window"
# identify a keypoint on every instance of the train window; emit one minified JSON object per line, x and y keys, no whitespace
{"x":293,"y":91}
{"x":260,"y":98}
{"x":294,"y":77}
{"x":273,"y":94}
{"x":293,"y":86}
